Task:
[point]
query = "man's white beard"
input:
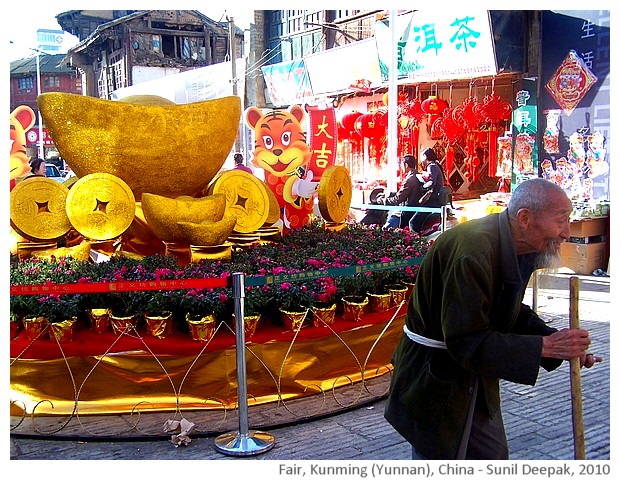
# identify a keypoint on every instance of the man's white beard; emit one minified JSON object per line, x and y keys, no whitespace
{"x":550,"y":258}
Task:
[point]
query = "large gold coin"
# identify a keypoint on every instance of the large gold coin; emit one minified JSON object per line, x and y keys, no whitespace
{"x":38,"y":209}
{"x":335,"y":193}
{"x":274,"y":206}
{"x":101,"y":206}
{"x":246,"y":198}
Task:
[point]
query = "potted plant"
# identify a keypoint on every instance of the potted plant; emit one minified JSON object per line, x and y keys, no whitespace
{"x":202,"y":307}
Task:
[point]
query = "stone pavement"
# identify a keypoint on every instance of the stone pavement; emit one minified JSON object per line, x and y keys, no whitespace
{"x":538,"y":419}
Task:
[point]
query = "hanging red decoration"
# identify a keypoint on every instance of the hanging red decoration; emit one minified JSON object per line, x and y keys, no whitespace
{"x":380,"y":118}
{"x":433,"y":106}
{"x":365,"y":125}
{"x":495,"y":111}
{"x":348,"y":120}
{"x":451,"y":131}
{"x":470,"y":114}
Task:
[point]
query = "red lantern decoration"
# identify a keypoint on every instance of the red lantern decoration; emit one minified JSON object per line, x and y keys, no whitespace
{"x":348,"y":120}
{"x":434,"y":106}
{"x":365,"y":125}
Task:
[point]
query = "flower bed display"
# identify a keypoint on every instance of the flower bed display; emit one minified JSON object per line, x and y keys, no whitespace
{"x":104,"y":371}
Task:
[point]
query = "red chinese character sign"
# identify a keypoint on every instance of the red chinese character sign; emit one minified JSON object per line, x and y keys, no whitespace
{"x":293,"y":167}
{"x":570,"y":82}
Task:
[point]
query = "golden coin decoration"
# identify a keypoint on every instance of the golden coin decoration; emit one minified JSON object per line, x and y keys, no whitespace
{"x":101,"y":206}
{"x":38,"y":209}
{"x":274,"y":206}
{"x":335,"y":193}
{"x":246,"y":198}
{"x":139,"y":138}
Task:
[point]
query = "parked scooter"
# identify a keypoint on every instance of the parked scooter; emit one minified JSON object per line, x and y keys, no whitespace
{"x":379,"y":217}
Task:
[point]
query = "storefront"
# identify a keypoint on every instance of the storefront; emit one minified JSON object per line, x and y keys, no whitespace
{"x":495,"y":112}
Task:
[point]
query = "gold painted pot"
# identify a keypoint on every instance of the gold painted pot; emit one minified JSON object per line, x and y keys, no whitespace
{"x":63,"y":332}
{"x":15,"y":328}
{"x":250,"y":324}
{"x":410,"y":286}
{"x":125,"y":324}
{"x":34,"y":326}
{"x":323,"y":316}
{"x":379,"y":302}
{"x":99,"y":319}
{"x":293,"y":320}
{"x":354,"y":307}
{"x":201,"y":329}
{"x":159,"y":326}
{"x":398,"y":294}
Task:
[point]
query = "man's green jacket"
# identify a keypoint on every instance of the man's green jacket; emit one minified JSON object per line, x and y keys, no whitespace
{"x":468,"y":293}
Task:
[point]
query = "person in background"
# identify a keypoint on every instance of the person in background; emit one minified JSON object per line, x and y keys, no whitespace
{"x":409,"y":195}
{"x":37,"y":168}
{"x":467,"y":327}
{"x":239,"y":165}
{"x":434,"y":180}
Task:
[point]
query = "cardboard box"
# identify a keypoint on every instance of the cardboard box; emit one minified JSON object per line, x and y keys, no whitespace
{"x":583,"y":259}
{"x":589,"y":227}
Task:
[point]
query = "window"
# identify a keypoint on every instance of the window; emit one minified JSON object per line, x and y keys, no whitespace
{"x":51,"y":81}
{"x":26,"y":83}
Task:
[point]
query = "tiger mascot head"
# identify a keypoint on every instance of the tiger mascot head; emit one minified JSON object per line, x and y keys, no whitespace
{"x":280,"y":147}
{"x":22,"y":119}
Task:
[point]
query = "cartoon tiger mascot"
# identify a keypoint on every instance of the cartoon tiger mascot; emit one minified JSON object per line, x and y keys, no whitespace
{"x":22,"y":119}
{"x":281,"y":150}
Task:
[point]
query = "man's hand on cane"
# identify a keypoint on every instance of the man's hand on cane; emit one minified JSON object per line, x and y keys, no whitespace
{"x":570,"y":343}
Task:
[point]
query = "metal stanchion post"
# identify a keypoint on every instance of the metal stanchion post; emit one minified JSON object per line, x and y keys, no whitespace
{"x":243,"y":442}
{"x":444,"y":218}
{"x":535,"y":291}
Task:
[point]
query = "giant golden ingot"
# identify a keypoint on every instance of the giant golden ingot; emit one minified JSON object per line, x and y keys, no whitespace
{"x":209,"y":233}
{"x":167,"y":150}
{"x":163,"y":214}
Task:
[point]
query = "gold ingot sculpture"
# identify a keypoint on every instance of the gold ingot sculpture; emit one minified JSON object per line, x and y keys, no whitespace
{"x":246,"y":198}
{"x":163,"y":214}
{"x":167,"y":150}
{"x":335,"y":193}
{"x":80,"y":251}
{"x":101,"y":206}
{"x":208,"y":232}
{"x":38,"y":209}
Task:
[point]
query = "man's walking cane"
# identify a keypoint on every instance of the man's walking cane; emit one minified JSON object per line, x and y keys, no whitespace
{"x":575,"y":377}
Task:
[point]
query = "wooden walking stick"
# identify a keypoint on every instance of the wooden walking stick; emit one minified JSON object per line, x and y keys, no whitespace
{"x":575,"y":377}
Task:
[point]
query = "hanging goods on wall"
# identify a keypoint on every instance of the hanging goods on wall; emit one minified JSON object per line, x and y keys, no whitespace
{"x":470,"y":115}
{"x":495,"y":111}
{"x":570,"y":82}
{"x":451,"y":130}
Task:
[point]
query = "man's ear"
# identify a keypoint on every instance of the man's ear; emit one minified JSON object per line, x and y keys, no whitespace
{"x":524,"y":218}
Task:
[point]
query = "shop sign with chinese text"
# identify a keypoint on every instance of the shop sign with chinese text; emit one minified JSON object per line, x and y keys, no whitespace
{"x":436,"y":46}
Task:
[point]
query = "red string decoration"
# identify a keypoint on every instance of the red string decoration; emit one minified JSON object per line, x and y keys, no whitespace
{"x":451,"y":130}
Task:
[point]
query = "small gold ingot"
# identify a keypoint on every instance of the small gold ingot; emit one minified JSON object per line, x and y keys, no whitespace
{"x":201,"y":329}
{"x":34,"y":326}
{"x":99,"y":319}
{"x":323,"y":316}
{"x":28,"y":249}
{"x":63,"y":332}
{"x":379,"y":302}
{"x":354,"y":307}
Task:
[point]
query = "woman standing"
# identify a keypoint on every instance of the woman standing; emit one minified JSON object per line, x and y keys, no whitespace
{"x":436,"y":179}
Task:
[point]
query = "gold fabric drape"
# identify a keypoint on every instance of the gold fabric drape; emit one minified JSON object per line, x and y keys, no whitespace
{"x":276,"y":370}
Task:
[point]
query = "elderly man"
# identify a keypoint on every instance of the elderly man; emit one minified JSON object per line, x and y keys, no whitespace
{"x":467,"y":327}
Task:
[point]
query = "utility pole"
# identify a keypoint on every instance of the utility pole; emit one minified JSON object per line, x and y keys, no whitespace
{"x":231,"y":34}
{"x":41,"y":149}
{"x":233,"y":62}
